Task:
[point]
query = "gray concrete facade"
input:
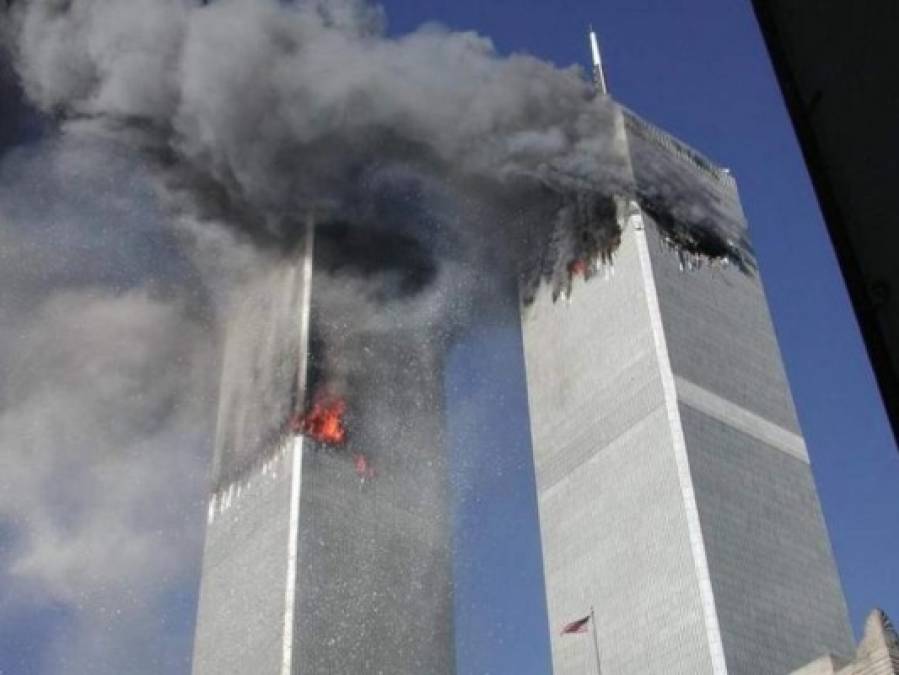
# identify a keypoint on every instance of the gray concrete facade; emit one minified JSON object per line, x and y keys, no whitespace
{"x":674,"y":489}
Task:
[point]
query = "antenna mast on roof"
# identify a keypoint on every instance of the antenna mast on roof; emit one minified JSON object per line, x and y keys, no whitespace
{"x":599,"y":76}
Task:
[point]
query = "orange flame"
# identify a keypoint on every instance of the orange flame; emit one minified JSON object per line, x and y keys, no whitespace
{"x":324,"y":422}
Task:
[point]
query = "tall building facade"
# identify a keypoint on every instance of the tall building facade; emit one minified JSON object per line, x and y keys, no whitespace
{"x":313,"y":563}
{"x":675,"y":494}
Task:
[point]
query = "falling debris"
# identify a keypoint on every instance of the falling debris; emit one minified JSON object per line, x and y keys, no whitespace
{"x":363,"y":467}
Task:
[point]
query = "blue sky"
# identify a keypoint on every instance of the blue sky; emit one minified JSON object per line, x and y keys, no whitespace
{"x":698,"y":69}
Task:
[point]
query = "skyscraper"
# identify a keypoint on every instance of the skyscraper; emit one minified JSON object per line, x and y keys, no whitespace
{"x":676,"y":502}
{"x":674,"y":488}
{"x":321,"y":559}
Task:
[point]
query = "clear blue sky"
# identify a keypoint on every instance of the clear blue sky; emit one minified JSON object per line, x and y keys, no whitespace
{"x":698,"y":69}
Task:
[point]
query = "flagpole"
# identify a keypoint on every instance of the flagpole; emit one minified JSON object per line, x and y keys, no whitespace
{"x":595,"y":641}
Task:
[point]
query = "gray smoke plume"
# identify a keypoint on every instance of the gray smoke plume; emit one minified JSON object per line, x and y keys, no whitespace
{"x":254,"y":110}
{"x":258,"y":112}
{"x":107,"y":376}
{"x":440,"y":174}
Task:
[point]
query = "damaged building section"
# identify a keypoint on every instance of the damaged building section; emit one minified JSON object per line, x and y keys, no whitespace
{"x":692,"y":203}
{"x":261,"y":361}
{"x":582,"y":243}
{"x":344,"y":465}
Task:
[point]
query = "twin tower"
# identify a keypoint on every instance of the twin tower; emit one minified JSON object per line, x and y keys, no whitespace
{"x":674,"y":489}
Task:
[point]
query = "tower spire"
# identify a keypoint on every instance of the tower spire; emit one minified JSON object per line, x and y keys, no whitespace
{"x":599,"y":76}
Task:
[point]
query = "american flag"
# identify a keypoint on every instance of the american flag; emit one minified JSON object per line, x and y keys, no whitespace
{"x":579,"y":626}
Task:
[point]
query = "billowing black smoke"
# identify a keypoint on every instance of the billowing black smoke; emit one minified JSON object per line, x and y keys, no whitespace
{"x":256,"y":110}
